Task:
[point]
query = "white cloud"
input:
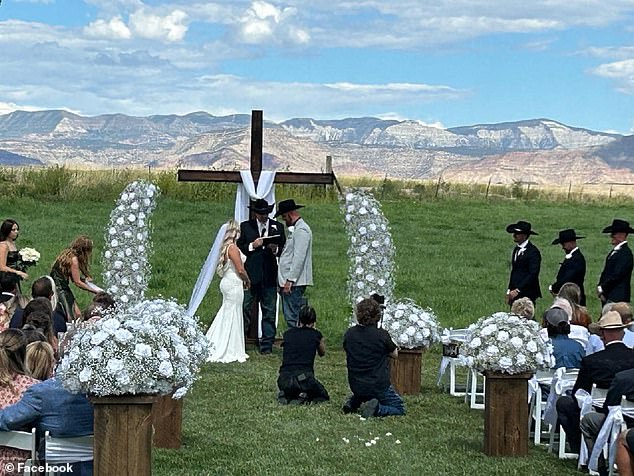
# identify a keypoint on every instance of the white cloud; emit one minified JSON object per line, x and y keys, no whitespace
{"x":264,"y":22}
{"x":8,"y":107}
{"x":115,"y":28}
{"x":170,"y":27}
{"x":622,"y":72}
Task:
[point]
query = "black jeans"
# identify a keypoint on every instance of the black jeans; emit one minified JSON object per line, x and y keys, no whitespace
{"x":294,"y":383}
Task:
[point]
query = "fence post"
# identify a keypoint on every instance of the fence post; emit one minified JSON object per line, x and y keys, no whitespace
{"x":569,"y":190}
{"x":438,"y":186}
{"x":486,"y":196}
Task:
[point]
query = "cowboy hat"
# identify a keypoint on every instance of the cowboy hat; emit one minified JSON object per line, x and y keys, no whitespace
{"x":566,"y":236}
{"x":618,"y":226}
{"x":4,"y":297}
{"x":261,"y":206}
{"x":286,"y":206}
{"x":520,"y":227}
{"x":609,"y":320}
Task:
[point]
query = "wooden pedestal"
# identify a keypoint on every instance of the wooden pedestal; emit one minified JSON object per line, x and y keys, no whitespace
{"x":167,"y":419}
{"x":123,"y":435}
{"x":506,"y":414}
{"x":405,"y":372}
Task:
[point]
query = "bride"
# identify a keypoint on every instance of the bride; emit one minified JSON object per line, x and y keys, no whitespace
{"x":226,"y":334}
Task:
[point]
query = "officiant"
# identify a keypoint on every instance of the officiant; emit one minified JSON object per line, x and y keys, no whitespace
{"x":261,"y":241}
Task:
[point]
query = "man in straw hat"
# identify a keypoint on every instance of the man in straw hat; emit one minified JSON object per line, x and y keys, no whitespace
{"x":573,"y":267}
{"x":261,"y":240}
{"x":295,"y":270}
{"x":598,"y":368}
{"x":525,"y":264}
{"x":614,"y":283}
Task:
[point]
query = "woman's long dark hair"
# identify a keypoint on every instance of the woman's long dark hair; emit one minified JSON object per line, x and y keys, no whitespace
{"x":6,"y":227}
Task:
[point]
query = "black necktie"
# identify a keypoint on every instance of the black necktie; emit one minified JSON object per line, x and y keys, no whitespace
{"x":262,"y":230}
{"x":516,"y":252}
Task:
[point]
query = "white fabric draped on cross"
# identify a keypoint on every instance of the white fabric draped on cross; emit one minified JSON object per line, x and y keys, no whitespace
{"x":246,"y":191}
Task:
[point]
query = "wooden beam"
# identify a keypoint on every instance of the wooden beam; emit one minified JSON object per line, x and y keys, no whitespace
{"x":185,"y":175}
{"x":257,"y":124}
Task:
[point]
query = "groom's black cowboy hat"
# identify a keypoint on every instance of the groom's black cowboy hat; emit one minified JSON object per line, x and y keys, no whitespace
{"x":286,"y":206}
{"x":618,"y":226}
{"x":565,"y":236}
{"x":261,"y":206}
{"x":520,"y":227}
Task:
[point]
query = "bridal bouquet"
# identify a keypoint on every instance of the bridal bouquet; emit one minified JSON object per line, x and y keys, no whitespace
{"x":153,"y":347}
{"x":506,"y":343}
{"x":27,"y":257}
{"x":371,"y":251}
{"x":409,"y":325}
{"x":128,"y":244}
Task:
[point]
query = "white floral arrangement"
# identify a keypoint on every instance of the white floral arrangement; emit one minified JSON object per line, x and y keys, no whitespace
{"x":506,"y":343}
{"x":126,"y":264}
{"x":153,"y":347}
{"x":411,"y":326}
{"x":28,"y":257}
{"x":371,"y":251}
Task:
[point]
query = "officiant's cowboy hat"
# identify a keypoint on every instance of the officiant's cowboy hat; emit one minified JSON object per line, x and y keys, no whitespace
{"x":261,"y":206}
{"x":286,"y":206}
{"x":4,"y":297}
{"x":565,"y":236}
{"x":618,"y":226}
{"x":609,"y":320}
{"x":520,"y":227}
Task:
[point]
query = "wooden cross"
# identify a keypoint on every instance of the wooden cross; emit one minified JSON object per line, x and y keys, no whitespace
{"x":327,"y":178}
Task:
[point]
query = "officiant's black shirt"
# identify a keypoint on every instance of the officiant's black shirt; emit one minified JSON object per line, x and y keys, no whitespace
{"x":367,"y":356}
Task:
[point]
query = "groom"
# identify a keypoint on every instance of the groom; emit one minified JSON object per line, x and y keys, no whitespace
{"x":261,"y":240}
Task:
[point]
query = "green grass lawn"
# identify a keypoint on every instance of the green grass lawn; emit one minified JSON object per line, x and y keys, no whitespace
{"x":453,"y":255}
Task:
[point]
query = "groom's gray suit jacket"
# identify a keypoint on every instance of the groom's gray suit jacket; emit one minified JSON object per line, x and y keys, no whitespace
{"x":296,"y":260}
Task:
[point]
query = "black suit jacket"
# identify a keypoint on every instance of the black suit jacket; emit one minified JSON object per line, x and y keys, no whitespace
{"x":261,"y":263}
{"x":616,"y":275}
{"x":572,"y":270}
{"x":525,"y":272}
{"x":602,"y":366}
{"x":623,"y":384}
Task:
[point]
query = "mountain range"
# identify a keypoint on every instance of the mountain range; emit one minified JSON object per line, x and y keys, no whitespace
{"x":541,"y":151}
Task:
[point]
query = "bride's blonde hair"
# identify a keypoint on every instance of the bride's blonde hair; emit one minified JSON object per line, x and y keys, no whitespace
{"x":231,"y":234}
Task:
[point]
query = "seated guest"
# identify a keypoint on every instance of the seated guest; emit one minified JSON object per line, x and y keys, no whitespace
{"x":100,"y":303}
{"x":48,"y":406}
{"x":4,"y":313}
{"x":14,"y":380}
{"x":567,"y":352}
{"x":523,"y":307}
{"x":368,"y":349}
{"x":40,"y":360}
{"x":591,"y":423}
{"x":297,"y":380}
{"x":625,"y":311}
{"x":598,"y":368}
{"x":44,"y":287}
{"x":42,"y":322}
{"x":572,"y":293}
{"x":9,"y":284}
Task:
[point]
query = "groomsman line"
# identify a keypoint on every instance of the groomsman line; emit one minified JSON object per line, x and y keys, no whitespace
{"x":614,"y":283}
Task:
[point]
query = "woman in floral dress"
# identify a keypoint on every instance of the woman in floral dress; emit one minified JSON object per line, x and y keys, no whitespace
{"x":72,"y":265}
{"x":13,"y":383}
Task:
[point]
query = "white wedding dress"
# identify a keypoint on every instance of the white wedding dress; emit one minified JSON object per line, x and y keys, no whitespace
{"x":226,"y":333}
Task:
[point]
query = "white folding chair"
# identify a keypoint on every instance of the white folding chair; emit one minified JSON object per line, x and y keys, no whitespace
{"x":473,"y":395}
{"x":67,"y":450}
{"x":538,"y":404}
{"x":21,"y":440}
{"x":563,"y":380}
{"x":452,"y":340}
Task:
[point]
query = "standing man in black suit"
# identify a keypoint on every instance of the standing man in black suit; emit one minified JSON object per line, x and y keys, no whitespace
{"x":261,"y":240}
{"x":614,"y":283}
{"x":573,"y":267}
{"x":525,"y":265}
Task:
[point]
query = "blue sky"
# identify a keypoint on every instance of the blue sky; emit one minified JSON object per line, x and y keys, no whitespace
{"x":445,"y":63}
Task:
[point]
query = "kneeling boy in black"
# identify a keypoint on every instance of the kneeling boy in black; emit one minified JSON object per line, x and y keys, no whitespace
{"x":297,"y":382}
{"x":368,"y":350}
